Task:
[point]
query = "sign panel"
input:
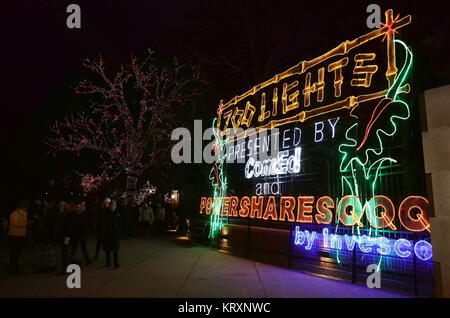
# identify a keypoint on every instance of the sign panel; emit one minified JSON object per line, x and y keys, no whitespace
{"x":329,"y":149}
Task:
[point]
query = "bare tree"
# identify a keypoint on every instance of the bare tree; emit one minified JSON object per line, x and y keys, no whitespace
{"x":131,"y":117}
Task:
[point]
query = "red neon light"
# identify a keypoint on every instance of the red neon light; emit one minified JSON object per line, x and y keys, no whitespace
{"x":414,"y":224}
{"x":287,"y":205}
{"x":355,"y":213}
{"x":390,"y":29}
{"x":234,"y":201}
{"x":386,"y":216}
{"x":217,"y":176}
{"x":202,"y":204}
{"x":271,"y":209}
{"x":324,"y":215}
{"x":372,"y":121}
{"x":257,"y":206}
{"x":226,"y":206}
{"x":245,"y":207}
{"x":304,"y":210}
{"x":349,"y":210}
{"x":208,"y":205}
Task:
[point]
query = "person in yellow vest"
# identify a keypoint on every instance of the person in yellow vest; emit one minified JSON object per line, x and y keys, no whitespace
{"x":18,"y":223}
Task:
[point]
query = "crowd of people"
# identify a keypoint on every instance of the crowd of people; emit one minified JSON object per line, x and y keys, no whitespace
{"x":50,"y":225}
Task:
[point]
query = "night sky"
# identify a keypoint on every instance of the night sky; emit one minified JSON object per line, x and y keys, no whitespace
{"x":237,"y":44}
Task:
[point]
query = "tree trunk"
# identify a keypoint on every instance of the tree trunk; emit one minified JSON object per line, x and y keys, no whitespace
{"x":131,"y":187}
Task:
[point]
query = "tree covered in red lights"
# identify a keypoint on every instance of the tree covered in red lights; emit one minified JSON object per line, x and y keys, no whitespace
{"x":131,"y":116}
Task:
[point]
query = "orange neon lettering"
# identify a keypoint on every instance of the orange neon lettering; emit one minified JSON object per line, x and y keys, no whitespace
{"x":287,"y":205}
{"x":202,"y":204}
{"x":338,"y":78}
{"x":292,"y":99}
{"x":316,"y":87}
{"x":386,"y":216}
{"x":354,"y":217}
{"x":234,"y":201}
{"x":245,"y":207}
{"x":274,"y":101}
{"x":257,"y":207}
{"x":264,"y":114}
{"x":324,"y":215}
{"x":208,"y":205}
{"x":418,"y":222}
{"x":226,"y":205}
{"x":248,"y":114}
{"x":367,"y":70}
{"x":303,"y":209}
{"x":271,"y":209}
{"x":365,"y":73}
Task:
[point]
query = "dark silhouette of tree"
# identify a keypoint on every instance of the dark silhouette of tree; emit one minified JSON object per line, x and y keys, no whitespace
{"x":131,"y":116}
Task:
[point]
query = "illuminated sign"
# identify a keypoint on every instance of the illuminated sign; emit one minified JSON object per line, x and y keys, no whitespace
{"x":322,"y":148}
{"x":282,"y":164}
{"x":369,"y":245}
{"x":318,"y":86}
{"x":305,"y":209}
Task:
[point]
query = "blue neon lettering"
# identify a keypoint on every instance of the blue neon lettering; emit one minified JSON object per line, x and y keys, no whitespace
{"x":384,"y":247}
{"x":423,"y":250}
{"x":350,"y":243}
{"x":365,"y":244}
{"x":398,"y":247}
{"x":310,"y":237}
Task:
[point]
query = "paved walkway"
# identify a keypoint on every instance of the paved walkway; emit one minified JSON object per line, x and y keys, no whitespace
{"x":159,"y":267}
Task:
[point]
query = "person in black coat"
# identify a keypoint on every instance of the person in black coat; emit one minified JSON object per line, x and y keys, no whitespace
{"x":79,"y":231}
{"x":111,"y":236}
{"x":36,"y":214}
{"x":46,"y":232}
{"x":64,"y":232}
{"x":100,"y":225}
{"x":126,"y":213}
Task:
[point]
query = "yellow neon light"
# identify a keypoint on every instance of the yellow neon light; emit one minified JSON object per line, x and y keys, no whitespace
{"x":367,"y":70}
{"x":239,"y":117}
{"x":338,"y":78}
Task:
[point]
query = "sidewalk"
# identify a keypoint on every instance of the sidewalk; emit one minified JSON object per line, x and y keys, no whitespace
{"x":159,"y":267}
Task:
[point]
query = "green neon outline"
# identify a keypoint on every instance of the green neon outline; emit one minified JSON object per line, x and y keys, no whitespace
{"x":216,"y":218}
{"x":392,"y":93}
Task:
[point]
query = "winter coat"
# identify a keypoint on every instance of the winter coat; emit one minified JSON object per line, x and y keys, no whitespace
{"x":18,"y":223}
{"x":46,"y":224}
{"x":160,"y":213}
{"x":64,"y":222}
{"x":79,"y":225}
{"x":100,"y":224}
{"x":37,"y":226}
{"x":111,"y":235}
{"x":146,"y":214}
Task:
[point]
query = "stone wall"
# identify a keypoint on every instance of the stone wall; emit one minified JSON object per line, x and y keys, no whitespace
{"x":436,"y":149}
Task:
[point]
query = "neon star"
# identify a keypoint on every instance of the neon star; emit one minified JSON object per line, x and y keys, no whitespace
{"x":220,"y":109}
{"x":390,"y":30}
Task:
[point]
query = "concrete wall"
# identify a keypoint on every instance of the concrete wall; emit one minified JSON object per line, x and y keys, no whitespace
{"x":436,"y":148}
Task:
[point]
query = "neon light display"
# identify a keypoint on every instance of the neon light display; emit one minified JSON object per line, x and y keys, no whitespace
{"x":349,"y":210}
{"x":321,"y":150}
{"x":361,"y":158}
{"x":239,"y":112}
{"x":281,"y":165}
{"x":219,"y":184}
{"x":370,"y":245}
